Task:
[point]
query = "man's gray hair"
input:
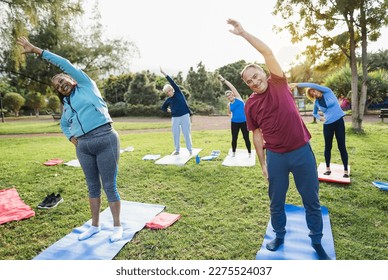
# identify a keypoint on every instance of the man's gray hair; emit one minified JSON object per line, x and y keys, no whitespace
{"x":251,"y":65}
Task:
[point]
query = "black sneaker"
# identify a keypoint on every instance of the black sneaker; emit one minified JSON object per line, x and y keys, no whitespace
{"x":46,"y":200}
{"x":55,"y":200}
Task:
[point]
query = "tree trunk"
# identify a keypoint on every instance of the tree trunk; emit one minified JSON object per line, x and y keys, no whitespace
{"x":356,"y":120}
{"x":364,"y":61}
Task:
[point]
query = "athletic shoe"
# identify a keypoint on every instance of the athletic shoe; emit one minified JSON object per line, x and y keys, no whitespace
{"x":54,"y":201}
{"x":46,"y":200}
{"x":176,"y":153}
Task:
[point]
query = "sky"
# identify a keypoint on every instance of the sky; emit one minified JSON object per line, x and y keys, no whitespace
{"x":178,"y":34}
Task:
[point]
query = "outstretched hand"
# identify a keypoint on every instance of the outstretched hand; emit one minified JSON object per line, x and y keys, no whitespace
{"x":238,"y":29}
{"x":293,"y":86}
{"x":161,"y":70}
{"x":27,"y":46}
{"x":221,"y":78}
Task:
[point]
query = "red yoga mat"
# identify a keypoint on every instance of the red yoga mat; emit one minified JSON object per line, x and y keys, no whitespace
{"x":53,"y":161}
{"x":12,"y":207}
{"x":162,"y":220}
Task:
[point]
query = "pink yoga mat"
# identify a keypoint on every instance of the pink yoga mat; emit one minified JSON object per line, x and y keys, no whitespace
{"x":162,"y":220}
{"x":12,"y":207}
{"x":53,"y":161}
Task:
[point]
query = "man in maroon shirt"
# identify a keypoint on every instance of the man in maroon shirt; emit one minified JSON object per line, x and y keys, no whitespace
{"x":273,"y":117}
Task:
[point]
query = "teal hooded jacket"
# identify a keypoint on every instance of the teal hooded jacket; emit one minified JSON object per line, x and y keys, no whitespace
{"x":84,"y":109}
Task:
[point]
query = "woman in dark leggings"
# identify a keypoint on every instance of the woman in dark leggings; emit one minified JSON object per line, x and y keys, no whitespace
{"x":86,"y":123}
{"x":325,"y":100}
{"x":238,"y":120}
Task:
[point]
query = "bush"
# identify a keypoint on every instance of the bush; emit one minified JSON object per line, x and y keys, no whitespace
{"x":53,"y":103}
{"x":36,"y":101}
{"x":119,"y":109}
{"x":14,"y":101}
{"x":122,"y":109}
{"x":201,"y":108}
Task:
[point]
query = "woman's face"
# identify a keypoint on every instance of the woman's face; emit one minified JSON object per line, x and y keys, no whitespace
{"x":170,"y":92}
{"x":63,"y":84}
{"x":316,"y":93}
{"x":230,"y":97}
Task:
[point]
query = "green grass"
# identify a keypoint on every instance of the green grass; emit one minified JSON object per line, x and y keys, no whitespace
{"x":28,"y":127}
{"x":224,"y":209}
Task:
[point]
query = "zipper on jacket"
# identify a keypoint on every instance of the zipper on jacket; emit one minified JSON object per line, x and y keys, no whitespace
{"x":76,"y":114}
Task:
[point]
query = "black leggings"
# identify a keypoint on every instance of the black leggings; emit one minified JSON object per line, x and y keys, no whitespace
{"x":337,"y":128}
{"x":235,"y":127}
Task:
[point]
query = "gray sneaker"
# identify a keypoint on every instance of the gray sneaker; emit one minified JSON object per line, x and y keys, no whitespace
{"x":175,"y":153}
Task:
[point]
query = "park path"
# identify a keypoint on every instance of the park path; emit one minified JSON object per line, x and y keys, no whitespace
{"x":198,"y":123}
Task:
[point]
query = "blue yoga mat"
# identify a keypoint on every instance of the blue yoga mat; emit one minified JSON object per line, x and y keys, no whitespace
{"x":381,"y":185}
{"x":134,"y":216}
{"x":297,"y":243}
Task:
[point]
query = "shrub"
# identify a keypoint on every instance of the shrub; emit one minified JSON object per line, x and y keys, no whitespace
{"x":201,"y":108}
{"x":122,"y":109}
{"x":53,"y":103}
{"x":14,"y":101}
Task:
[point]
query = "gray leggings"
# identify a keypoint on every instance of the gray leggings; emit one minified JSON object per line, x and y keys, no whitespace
{"x":98,"y":152}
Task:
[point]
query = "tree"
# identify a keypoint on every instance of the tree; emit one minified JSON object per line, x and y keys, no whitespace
{"x":53,"y":103}
{"x":20,"y":16}
{"x":14,"y":101}
{"x":52,"y":25}
{"x":115,"y":87}
{"x":5,"y":87}
{"x":203,"y":86}
{"x":231,"y":72}
{"x":141,"y":91}
{"x":337,"y":26}
{"x":36,"y":101}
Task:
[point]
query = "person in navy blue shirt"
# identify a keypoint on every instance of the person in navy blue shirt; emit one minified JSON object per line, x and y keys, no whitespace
{"x":237,"y":114}
{"x":333,"y":122}
{"x":176,"y":104}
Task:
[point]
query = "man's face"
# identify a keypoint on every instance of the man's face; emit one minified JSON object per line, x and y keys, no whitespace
{"x":63,"y":84}
{"x":255,"y":79}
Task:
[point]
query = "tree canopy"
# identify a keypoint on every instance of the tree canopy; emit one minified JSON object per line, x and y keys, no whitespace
{"x":54,"y":25}
{"x":336,"y":29}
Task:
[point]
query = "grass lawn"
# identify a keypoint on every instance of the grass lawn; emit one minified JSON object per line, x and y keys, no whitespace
{"x":53,"y":127}
{"x":224,"y":210}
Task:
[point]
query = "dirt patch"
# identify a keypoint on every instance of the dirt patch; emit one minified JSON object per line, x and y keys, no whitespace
{"x":198,"y":123}
{"x":223,"y":122}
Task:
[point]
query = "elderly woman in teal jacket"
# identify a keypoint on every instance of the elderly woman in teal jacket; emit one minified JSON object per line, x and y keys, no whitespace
{"x":87,"y":124}
{"x":333,"y":123}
